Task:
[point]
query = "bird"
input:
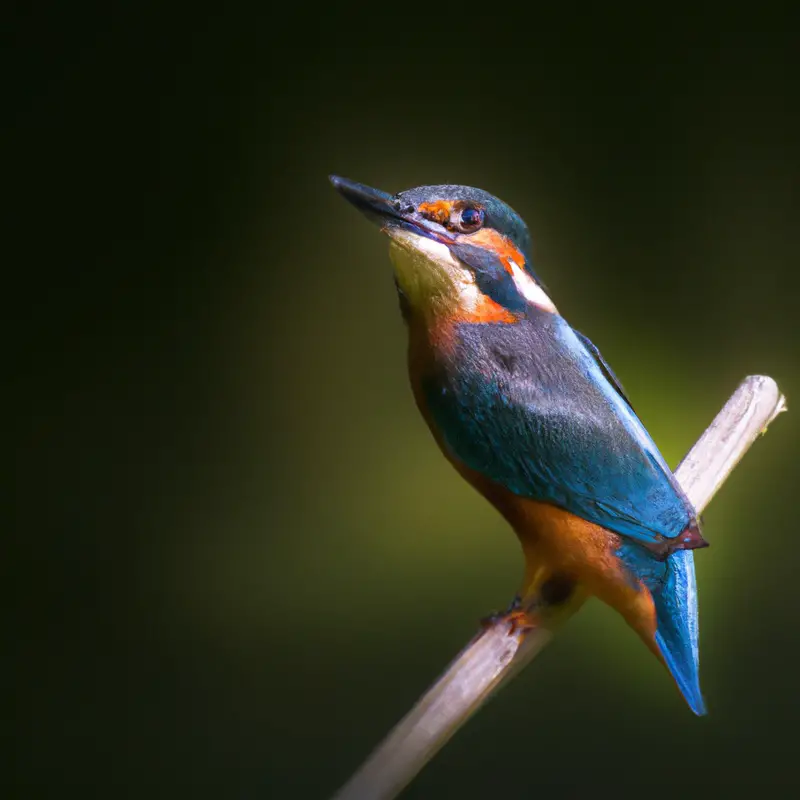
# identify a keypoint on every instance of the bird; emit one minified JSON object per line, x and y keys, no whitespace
{"x":529,"y":413}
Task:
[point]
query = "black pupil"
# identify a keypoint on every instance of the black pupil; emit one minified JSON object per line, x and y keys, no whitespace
{"x":470,"y":217}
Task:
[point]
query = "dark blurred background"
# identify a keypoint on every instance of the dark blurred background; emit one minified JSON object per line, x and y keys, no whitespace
{"x":236,"y":557}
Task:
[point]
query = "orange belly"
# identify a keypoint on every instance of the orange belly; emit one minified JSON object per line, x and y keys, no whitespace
{"x":556,"y":542}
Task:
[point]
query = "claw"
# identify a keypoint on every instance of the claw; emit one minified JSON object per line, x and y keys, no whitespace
{"x":520,"y":623}
{"x":518,"y":620}
{"x":497,"y":616}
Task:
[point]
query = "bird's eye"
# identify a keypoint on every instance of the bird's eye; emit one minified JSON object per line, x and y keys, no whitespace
{"x":468,"y":219}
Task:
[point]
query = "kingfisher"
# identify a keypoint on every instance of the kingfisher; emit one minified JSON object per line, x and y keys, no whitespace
{"x":530,"y":414}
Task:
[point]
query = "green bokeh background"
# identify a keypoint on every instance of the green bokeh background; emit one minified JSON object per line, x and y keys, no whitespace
{"x":237,"y":557}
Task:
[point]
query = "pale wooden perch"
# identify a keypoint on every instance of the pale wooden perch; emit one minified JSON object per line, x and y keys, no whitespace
{"x":495,"y":654}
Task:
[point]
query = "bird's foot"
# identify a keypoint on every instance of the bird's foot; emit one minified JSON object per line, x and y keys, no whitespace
{"x":519,"y":621}
{"x":497,"y":616}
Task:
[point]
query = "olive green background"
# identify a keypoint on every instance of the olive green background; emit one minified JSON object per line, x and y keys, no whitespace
{"x":237,"y":557}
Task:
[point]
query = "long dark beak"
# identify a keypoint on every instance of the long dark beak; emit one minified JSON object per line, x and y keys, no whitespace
{"x":386,"y":210}
{"x":372,"y":202}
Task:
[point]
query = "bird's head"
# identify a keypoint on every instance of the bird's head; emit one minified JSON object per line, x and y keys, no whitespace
{"x":456,"y":250}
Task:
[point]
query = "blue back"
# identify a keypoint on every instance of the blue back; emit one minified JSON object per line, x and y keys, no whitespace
{"x":529,"y":406}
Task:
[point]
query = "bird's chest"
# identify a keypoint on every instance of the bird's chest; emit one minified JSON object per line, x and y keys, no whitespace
{"x":464,"y":377}
{"x":430,"y":368}
{"x":494,"y":397}
{"x":455,"y":382}
{"x":429,"y":350}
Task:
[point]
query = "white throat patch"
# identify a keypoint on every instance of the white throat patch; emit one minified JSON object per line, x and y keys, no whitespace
{"x":417,"y":255}
{"x":409,"y":247}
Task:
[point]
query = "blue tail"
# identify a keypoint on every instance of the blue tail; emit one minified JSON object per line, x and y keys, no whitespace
{"x":676,"y":618}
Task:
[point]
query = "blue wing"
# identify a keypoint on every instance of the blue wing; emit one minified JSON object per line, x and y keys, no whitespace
{"x":534,"y":409}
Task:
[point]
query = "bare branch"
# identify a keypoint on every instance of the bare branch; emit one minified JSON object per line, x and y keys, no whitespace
{"x":497,"y":654}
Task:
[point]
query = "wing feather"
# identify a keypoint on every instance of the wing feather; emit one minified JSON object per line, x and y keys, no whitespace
{"x":536,"y":409}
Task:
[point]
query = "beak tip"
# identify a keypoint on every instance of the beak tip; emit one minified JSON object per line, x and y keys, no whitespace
{"x":337,"y":182}
{"x":376,"y":205}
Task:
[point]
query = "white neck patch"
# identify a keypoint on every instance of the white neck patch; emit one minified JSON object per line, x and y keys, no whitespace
{"x":531,"y":290}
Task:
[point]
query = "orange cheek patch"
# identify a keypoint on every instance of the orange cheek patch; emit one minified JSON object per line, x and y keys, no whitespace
{"x":438,"y":211}
{"x":490,"y":239}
